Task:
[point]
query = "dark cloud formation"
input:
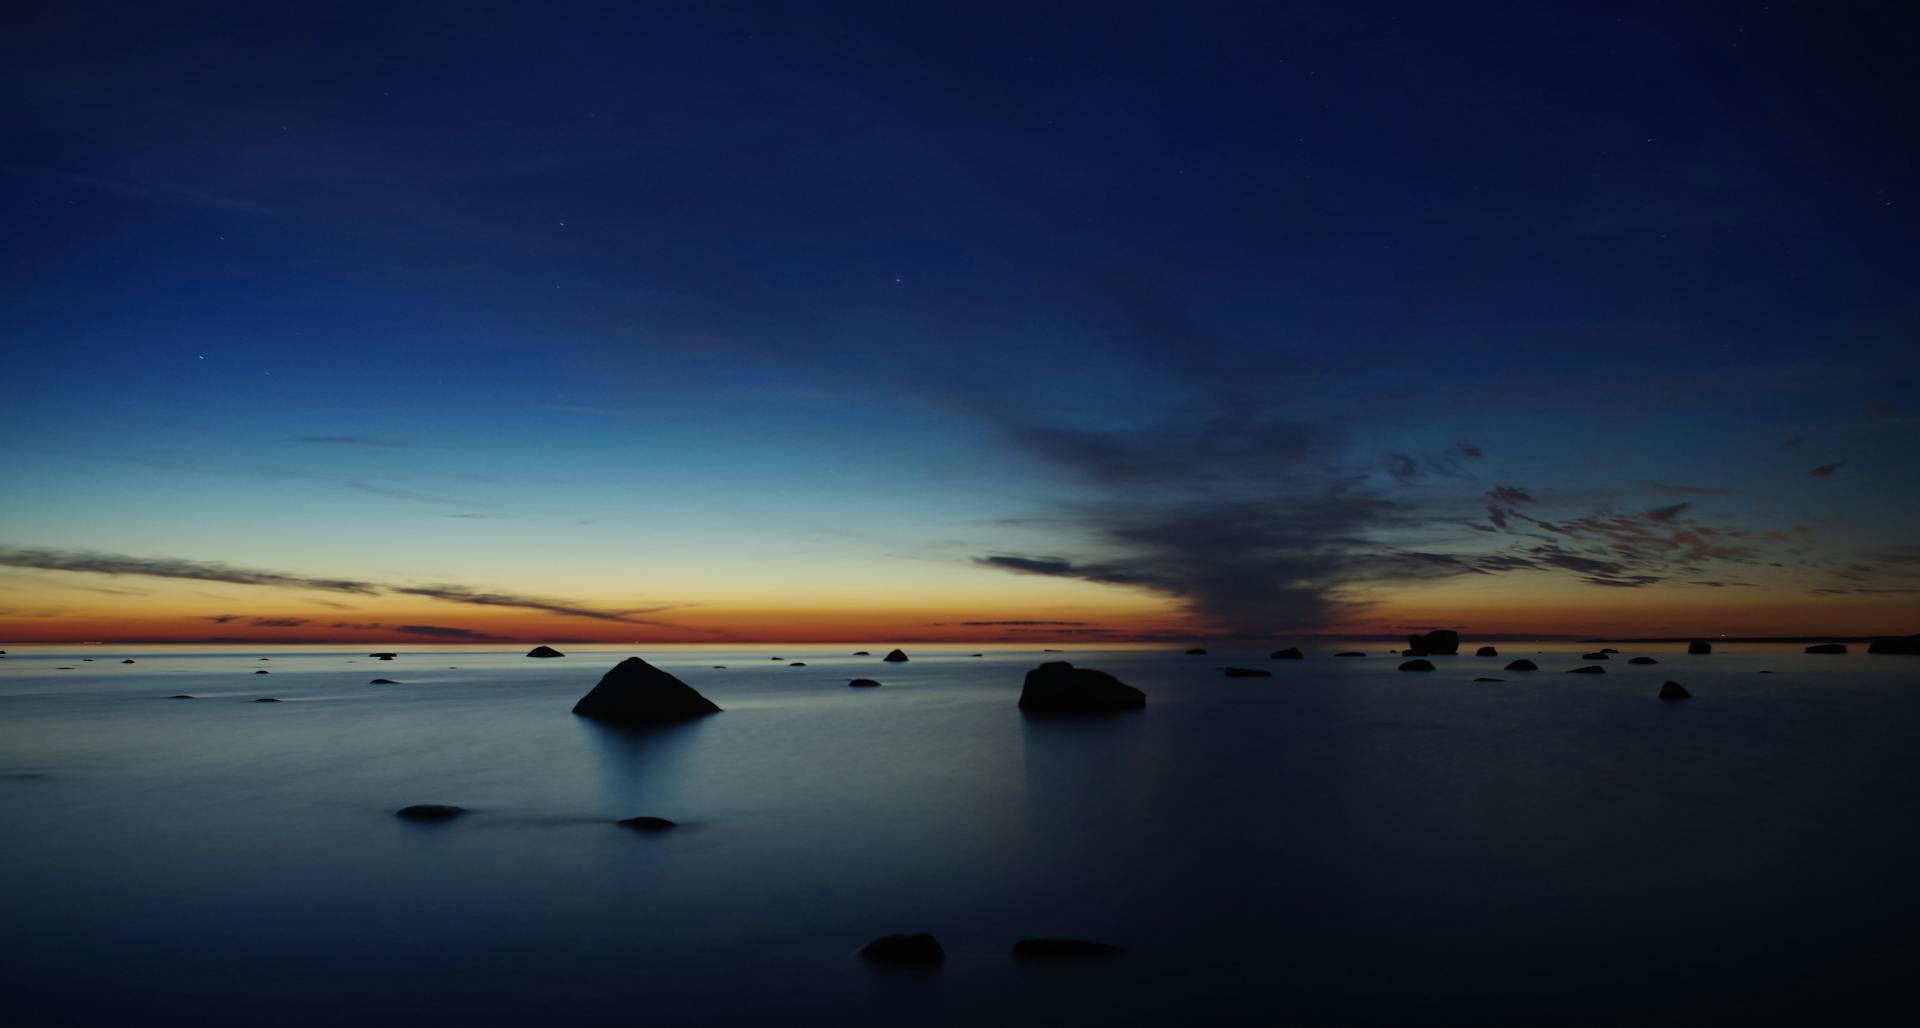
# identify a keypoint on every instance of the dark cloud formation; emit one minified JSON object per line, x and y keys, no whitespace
{"x":1825,"y":470}
{"x":213,"y":571}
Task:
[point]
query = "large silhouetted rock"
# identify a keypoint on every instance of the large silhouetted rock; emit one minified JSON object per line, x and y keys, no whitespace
{"x":1906,"y":644}
{"x":895,"y":657}
{"x":1064,"y":949}
{"x":1827,"y":648}
{"x":1699,"y":646}
{"x":918,"y":949}
{"x":1245,"y":672}
{"x":544,"y":651}
{"x":1486,"y":651}
{"x":1643,"y":660}
{"x":1440,"y":641}
{"x":636,"y":692}
{"x":429,"y":812}
{"x":1058,"y":687}
{"x":1417,"y":665}
{"x":1590,"y":669}
{"x":1290,"y":653}
{"x":1523,"y":664}
{"x":1674,"y":691}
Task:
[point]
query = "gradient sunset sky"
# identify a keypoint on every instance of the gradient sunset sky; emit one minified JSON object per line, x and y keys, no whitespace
{"x":957,"y":322}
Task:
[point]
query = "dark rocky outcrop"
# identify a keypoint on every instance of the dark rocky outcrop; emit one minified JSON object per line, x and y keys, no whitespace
{"x":1905,"y":644}
{"x":1058,"y":687}
{"x":1350,"y":653}
{"x":1417,"y":665}
{"x":636,"y":692}
{"x":647,"y":824}
{"x":1290,"y":653}
{"x":1590,"y":669}
{"x":1486,"y":651}
{"x":383,"y":681}
{"x":1827,"y":648}
{"x":1523,"y":664}
{"x":1489,"y":679}
{"x":1643,"y":660}
{"x":1245,"y":672}
{"x":1440,"y":641}
{"x":544,"y":651}
{"x":430,"y":812}
{"x":1699,"y":646}
{"x":917,"y":949}
{"x":1064,"y":949}
{"x":976,"y":654}
{"x":863,"y":683}
{"x":384,"y":656}
{"x":1674,"y":691}
{"x":1196,"y":652}
{"x":266,"y":699}
{"x":895,"y":657}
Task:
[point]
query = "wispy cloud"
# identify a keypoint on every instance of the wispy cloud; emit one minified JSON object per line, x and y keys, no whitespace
{"x":445,"y":632}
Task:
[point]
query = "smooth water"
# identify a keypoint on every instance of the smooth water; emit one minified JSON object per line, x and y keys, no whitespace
{"x":1342,"y":843}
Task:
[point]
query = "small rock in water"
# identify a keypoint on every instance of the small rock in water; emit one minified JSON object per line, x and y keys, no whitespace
{"x":384,"y":656}
{"x":1417,"y":665}
{"x":1196,"y":652}
{"x":263,"y":671}
{"x":719,"y":667}
{"x":1064,"y":949}
{"x":1523,"y":664}
{"x":797,"y":663}
{"x":266,"y":658}
{"x":179,"y":696}
{"x":1486,"y":651}
{"x":647,"y":824}
{"x":1590,"y":669}
{"x":1643,"y":660}
{"x":1674,"y":691}
{"x":430,"y":812}
{"x":863,"y":683}
{"x":1245,"y":672}
{"x":1822,"y":648}
{"x":1843,"y":649}
{"x":544,"y":651}
{"x":1489,"y":679}
{"x":383,"y":681}
{"x":1595,"y":655}
{"x":915,"y":949}
{"x":861,"y":653}
{"x":1290,"y":653}
{"x":776,"y":658}
{"x":895,"y":657}
{"x":976,"y":654}
{"x":1350,"y":653}
{"x":1699,"y":646}
{"x":266,"y":699}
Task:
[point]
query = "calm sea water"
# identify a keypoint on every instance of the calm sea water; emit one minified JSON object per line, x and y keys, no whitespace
{"x":1340,"y":844}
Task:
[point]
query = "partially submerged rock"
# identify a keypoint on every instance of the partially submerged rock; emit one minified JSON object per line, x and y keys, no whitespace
{"x":1827,"y":648}
{"x":1674,"y":691}
{"x":1064,"y":949}
{"x":895,"y":657}
{"x":916,"y":949}
{"x":1643,"y":660}
{"x":430,"y":812}
{"x":383,"y":681}
{"x":130,"y":662}
{"x":544,"y":651}
{"x":798,"y":663}
{"x":1441,"y":641}
{"x":1417,"y":665}
{"x":647,"y":824}
{"x":1699,"y":646}
{"x":1058,"y":687}
{"x":1523,"y":664}
{"x":179,"y":696}
{"x":1590,"y":669}
{"x":863,"y":683}
{"x":1905,"y":644}
{"x":1595,"y":655}
{"x":263,"y":671}
{"x":266,"y":699}
{"x":384,"y":656}
{"x":1486,"y":651}
{"x":1196,"y":652}
{"x":1245,"y":672}
{"x":636,"y":692}
{"x":1489,"y":679}
{"x":1350,"y":653}
{"x":1290,"y":653}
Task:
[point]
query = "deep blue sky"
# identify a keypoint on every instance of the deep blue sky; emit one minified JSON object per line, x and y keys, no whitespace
{"x":1249,"y":308}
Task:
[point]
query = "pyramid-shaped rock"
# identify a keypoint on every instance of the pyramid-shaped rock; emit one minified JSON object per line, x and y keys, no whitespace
{"x":636,"y":692}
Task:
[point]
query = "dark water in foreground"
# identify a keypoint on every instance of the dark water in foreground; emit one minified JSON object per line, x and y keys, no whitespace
{"x":1339,"y":844}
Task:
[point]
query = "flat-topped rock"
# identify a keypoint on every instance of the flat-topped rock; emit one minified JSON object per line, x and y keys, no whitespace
{"x":1595,"y":655}
{"x":636,"y":692}
{"x":1064,"y":949}
{"x":1440,"y":641}
{"x":544,"y":651}
{"x":1674,"y":691}
{"x":1827,"y":648}
{"x":1417,"y":665}
{"x":266,"y":699}
{"x":430,"y":812}
{"x":384,"y":656}
{"x":1058,"y":687}
{"x":1245,"y":672}
{"x":179,"y":696}
{"x":913,"y":949}
{"x":895,"y":657}
{"x":1290,"y":653}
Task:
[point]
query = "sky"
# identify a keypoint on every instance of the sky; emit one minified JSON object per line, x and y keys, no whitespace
{"x":957,"y":322}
